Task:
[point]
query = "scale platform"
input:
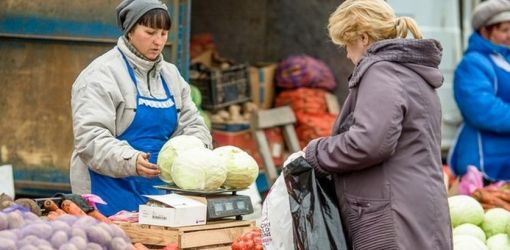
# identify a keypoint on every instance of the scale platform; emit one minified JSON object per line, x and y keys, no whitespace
{"x":221,"y":202}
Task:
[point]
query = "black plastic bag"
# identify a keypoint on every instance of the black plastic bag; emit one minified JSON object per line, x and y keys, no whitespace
{"x":314,"y":208}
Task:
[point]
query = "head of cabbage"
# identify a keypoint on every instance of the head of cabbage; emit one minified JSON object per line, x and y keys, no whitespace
{"x":471,"y":230}
{"x":171,"y":149}
{"x":198,"y":169}
{"x":467,"y":242}
{"x":495,"y":221}
{"x":498,"y":242}
{"x":465,"y":209}
{"x":242,"y":169}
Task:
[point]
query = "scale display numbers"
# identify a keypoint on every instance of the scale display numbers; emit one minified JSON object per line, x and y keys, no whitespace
{"x":228,"y":206}
{"x":241,"y":205}
{"x":218,"y":207}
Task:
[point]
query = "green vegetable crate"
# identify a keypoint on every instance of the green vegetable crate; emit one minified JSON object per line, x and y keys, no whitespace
{"x":217,"y":235}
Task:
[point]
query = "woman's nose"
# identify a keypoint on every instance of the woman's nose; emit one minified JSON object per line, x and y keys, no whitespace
{"x":159,"y":40}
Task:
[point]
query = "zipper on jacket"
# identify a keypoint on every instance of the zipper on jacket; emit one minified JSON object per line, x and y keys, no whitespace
{"x":149,"y":80}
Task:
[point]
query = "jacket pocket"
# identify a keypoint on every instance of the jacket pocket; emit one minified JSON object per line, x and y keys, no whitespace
{"x":369,"y":224}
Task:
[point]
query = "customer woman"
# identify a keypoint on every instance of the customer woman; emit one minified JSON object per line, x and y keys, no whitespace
{"x":384,"y":152}
{"x":125,"y":105}
{"x":482,"y":92}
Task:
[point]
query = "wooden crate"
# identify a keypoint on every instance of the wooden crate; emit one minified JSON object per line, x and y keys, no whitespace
{"x":214,"y":235}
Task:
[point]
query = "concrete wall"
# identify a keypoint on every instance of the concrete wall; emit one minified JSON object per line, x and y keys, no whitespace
{"x":265,"y":30}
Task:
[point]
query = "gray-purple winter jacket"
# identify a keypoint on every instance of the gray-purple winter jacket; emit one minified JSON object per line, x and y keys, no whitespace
{"x":384,"y":151}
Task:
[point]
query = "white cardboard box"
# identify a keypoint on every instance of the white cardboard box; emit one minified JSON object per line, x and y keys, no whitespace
{"x":7,"y":180}
{"x":181,"y":211}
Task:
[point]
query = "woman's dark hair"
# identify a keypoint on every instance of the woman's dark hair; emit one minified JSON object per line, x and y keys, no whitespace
{"x":491,"y":27}
{"x":156,"y":19}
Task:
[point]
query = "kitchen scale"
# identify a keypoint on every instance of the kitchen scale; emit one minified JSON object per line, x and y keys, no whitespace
{"x":221,"y":202}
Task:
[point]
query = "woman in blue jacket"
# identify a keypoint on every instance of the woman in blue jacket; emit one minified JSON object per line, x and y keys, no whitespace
{"x":482,"y":92}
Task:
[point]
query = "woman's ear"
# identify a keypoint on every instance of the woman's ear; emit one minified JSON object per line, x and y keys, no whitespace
{"x":365,"y":40}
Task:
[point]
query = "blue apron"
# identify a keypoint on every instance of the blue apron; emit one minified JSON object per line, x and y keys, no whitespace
{"x":155,"y":121}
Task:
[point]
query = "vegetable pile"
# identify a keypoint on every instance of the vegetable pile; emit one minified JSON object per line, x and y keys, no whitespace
{"x":185,"y":161}
{"x":25,"y":230}
{"x":491,"y":197}
{"x":476,"y":229}
{"x":249,"y":241}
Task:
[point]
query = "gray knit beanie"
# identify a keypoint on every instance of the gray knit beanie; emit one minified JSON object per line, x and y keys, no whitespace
{"x":490,"y":12}
{"x":129,"y":11}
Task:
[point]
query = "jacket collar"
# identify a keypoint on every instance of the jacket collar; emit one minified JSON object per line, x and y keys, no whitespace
{"x":138,"y":63}
{"x":424,"y":52}
{"x":479,"y":44}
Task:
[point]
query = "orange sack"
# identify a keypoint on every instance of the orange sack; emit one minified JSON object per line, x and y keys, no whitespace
{"x":309,"y":106}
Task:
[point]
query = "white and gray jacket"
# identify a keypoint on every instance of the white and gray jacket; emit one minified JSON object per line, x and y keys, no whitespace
{"x":103,"y":103}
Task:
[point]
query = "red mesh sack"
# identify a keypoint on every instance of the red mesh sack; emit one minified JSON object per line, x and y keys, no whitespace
{"x":305,"y":100}
{"x":311,"y":126}
{"x":304,"y":71}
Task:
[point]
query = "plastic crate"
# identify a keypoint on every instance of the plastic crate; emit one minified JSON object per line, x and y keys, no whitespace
{"x":221,"y":87}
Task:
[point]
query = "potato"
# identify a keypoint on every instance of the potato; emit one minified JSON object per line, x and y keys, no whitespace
{"x":118,"y":232}
{"x":27,"y":241}
{"x":41,"y":230}
{"x":67,"y":218}
{"x":68,"y":246}
{"x":7,"y":244}
{"x":42,"y":242}
{"x":45,"y":247}
{"x":106,"y":227}
{"x":15,"y":219}
{"x":223,"y":114}
{"x":94,"y":246}
{"x":249,"y":107}
{"x":85,"y":221}
{"x":217,"y":119}
{"x":79,"y":242}
{"x":234,"y":110}
{"x":8,"y":234}
{"x":28,"y":216}
{"x":60,"y":225}
{"x":4,"y":224}
{"x":119,"y":243}
{"x":29,"y":247}
{"x":98,"y":235}
{"x":58,"y":239}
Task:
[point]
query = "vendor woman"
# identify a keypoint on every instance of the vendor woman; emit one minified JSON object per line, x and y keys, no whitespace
{"x":125,"y":105}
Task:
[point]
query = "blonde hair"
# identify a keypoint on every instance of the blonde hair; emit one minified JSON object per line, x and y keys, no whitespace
{"x":372,"y":17}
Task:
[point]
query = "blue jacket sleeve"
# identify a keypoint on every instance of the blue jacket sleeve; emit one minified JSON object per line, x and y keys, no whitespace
{"x":474,"y":93}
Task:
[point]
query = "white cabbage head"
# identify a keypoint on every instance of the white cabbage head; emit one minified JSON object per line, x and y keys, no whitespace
{"x":467,"y":242}
{"x":198,"y":169}
{"x":495,"y":221}
{"x":465,"y":209}
{"x":242,"y":169}
{"x":171,"y":149}
{"x":498,"y":242}
{"x":470,"y":229}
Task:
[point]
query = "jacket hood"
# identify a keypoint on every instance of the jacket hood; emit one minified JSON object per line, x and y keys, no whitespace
{"x":479,"y":44}
{"x":420,"y":55}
